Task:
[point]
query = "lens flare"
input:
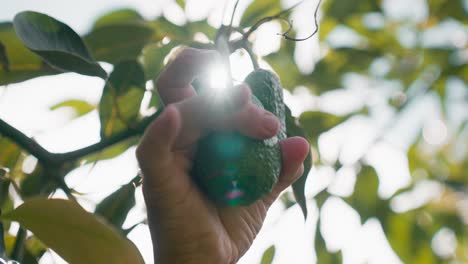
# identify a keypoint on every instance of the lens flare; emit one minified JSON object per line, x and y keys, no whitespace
{"x":218,"y":77}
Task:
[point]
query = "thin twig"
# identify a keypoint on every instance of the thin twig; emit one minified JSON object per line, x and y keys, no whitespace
{"x":253,"y":58}
{"x":233,"y":13}
{"x":285,"y":34}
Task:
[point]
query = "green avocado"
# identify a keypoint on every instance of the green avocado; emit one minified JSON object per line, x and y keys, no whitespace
{"x":233,"y":169}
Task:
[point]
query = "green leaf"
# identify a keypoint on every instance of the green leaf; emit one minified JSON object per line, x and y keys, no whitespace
{"x":121,"y":98}
{"x":258,"y":10}
{"x":268,"y":255}
{"x":293,"y":128}
{"x":117,"y":17}
{"x":80,"y":107}
{"x":152,"y":58}
{"x":341,"y":10}
{"x":181,"y":3}
{"x":112,"y":151}
{"x":75,"y":234}
{"x":115,"y":207}
{"x":365,"y":198}
{"x":319,"y":122}
{"x":3,"y":58}
{"x":323,"y":255}
{"x":9,"y":153}
{"x":17,"y":63}
{"x":56,"y":43}
{"x":118,"y":42}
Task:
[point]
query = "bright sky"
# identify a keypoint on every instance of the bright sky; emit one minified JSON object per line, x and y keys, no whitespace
{"x":26,"y":106}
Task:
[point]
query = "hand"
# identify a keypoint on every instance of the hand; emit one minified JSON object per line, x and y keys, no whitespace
{"x":185,"y":226}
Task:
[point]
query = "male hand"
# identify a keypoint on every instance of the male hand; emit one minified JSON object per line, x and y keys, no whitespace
{"x":185,"y":226}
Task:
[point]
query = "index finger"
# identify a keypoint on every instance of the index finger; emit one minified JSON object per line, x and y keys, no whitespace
{"x":174,"y":82}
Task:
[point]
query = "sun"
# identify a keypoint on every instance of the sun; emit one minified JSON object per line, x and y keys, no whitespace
{"x":218,"y":78}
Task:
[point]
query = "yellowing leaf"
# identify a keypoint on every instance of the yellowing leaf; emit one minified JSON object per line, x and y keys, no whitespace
{"x":75,"y":234}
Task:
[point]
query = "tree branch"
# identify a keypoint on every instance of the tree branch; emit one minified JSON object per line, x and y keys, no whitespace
{"x":107,"y":142}
{"x":58,"y":159}
{"x":26,"y":142}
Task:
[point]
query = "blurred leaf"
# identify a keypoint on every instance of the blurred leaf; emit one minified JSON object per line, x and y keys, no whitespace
{"x":182,"y":34}
{"x":118,"y":42}
{"x":165,"y":28}
{"x":72,"y":231}
{"x":37,"y":183}
{"x":181,"y":3}
{"x":341,"y":10}
{"x":152,"y":58}
{"x":80,"y":107}
{"x":56,"y":43}
{"x":115,"y":207}
{"x":9,"y":153}
{"x":319,"y":122}
{"x":117,"y":17}
{"x":121,"y":98}
{"x":365,"y":198}
{"x":17,"y":63}
{"x":284,"y":65}
{"x":408,"y":238}
{"x":323,"y":255}
{"x":4,"y":58}
{"x":443,"y":9}
{"x":293,"y":128}
{"x":259,"y":9}
{"x":112,"y":151}
{"x":268,"y":255}
{"x":328,"y":72}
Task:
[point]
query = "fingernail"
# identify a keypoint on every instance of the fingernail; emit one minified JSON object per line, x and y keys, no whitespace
{"x":270,"y":123}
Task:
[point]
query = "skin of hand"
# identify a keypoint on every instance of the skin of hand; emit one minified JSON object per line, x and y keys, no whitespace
{"x":185,"y":226}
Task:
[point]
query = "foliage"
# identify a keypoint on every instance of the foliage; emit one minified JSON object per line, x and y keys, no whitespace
{"x":36,"y":45}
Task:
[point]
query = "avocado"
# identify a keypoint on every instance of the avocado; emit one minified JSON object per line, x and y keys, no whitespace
{"x":233,"y":169}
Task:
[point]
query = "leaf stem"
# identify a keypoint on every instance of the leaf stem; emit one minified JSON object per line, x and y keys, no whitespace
{"x":18,"y":248}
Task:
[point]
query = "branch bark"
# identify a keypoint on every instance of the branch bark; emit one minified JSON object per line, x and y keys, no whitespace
{"x":57,"y":159}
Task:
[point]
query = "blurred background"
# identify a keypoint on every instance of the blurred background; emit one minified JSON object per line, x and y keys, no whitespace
{"x":381,"y":91}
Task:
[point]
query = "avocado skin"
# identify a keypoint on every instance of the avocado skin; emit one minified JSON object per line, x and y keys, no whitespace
{"x":233,"y":169}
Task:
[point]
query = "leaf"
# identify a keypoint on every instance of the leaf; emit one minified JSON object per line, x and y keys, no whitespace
{"x":152,"y":58}
{"x":115,"y":207}
{"x":268,"y":255}
{"x":319,"y":122}
{"x":181,"y":3}
{"x":323,"y":255}
{"x":75,"y":234}
{"x":9,"y":153}
{"x":56,"y":43}
{"x":341,"y":10}
{"x":121,"y":98}
{"x":117,"y":17}
{"x":365,"y":198}
{"x":293,"y":128}
{"x":17,"y":63}
{"x":259,"y":9}
{"x":112,"y":151}
{"x":118,"y":42}
{"x":3,"y":58}
{"x":80,"y":107}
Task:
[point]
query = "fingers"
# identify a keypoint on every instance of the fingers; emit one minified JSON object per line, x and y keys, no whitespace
{"x":174,"y":83}
{"x":294,"y":151}
{"x":158,"y":140}
{"x":200,"y":114}
{"x":253,"y":122}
